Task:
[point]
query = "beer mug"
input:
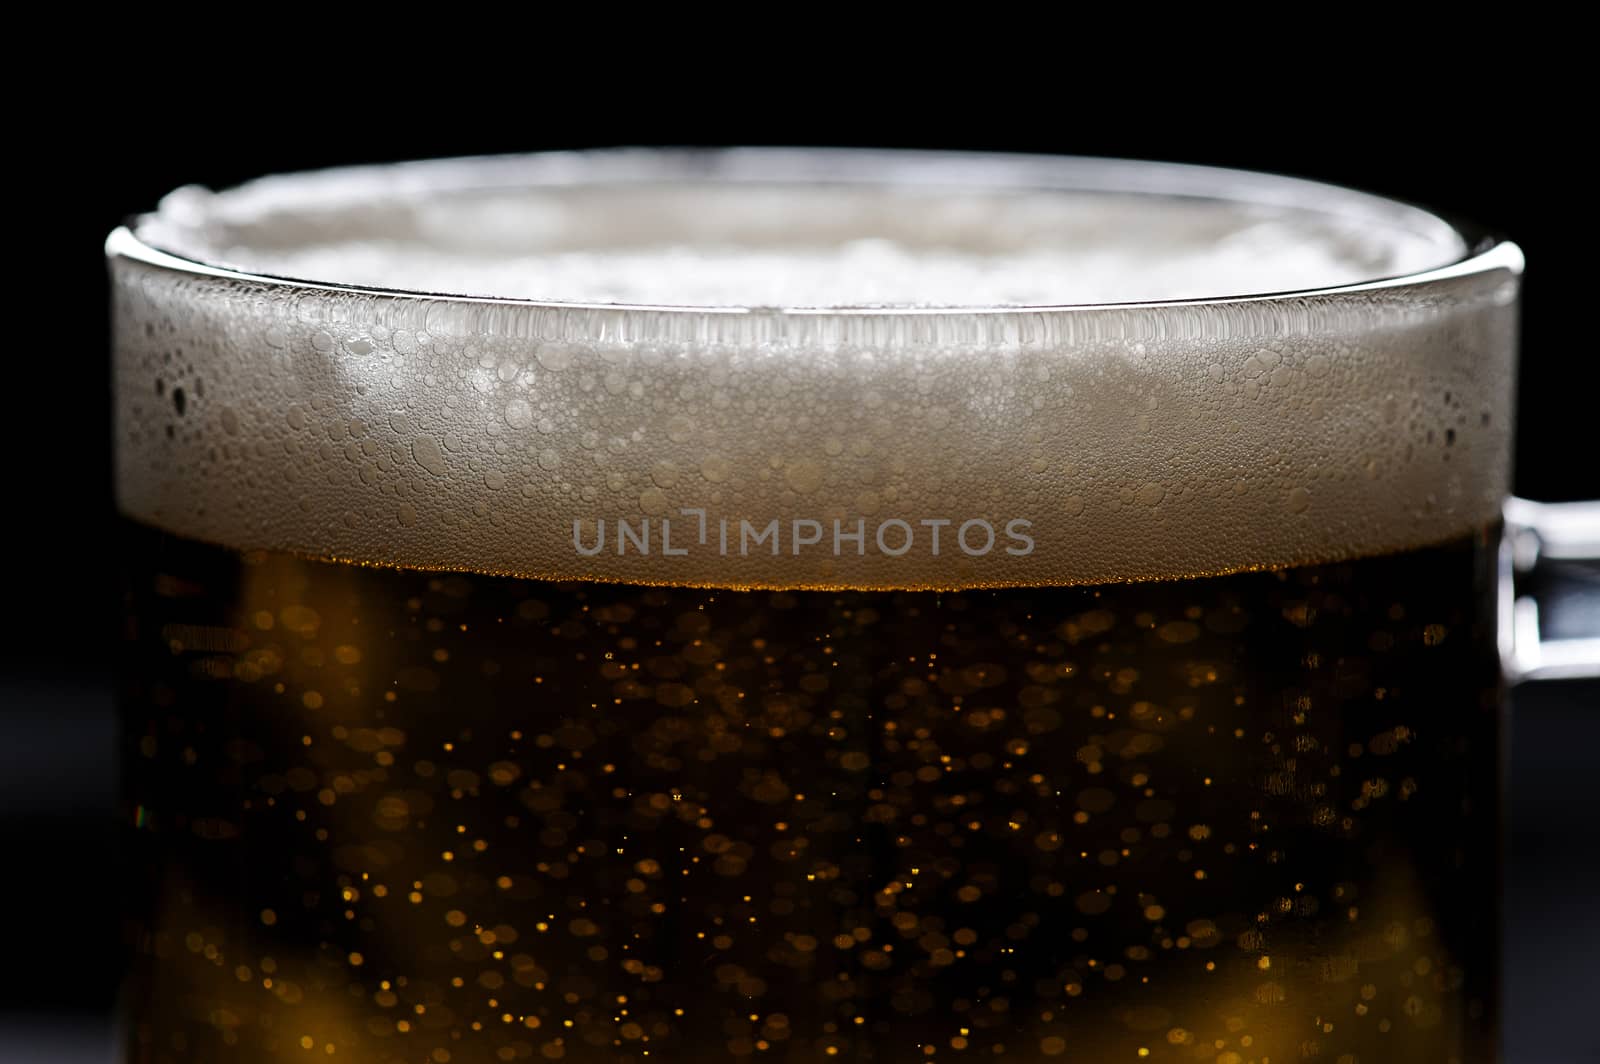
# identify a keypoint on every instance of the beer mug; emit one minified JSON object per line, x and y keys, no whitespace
{"x":817,"y":605}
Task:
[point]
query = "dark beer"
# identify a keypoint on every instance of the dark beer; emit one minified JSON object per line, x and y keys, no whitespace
{"x":398,"y":816}
{"x":810,"y":606}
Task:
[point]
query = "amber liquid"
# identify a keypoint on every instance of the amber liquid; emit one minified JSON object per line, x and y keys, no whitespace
{"x":397,"y":816}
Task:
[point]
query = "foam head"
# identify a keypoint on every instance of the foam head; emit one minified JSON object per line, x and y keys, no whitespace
{"x":809,"y":369}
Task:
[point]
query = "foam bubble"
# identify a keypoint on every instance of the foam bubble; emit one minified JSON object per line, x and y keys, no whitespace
{"x":740,"y":447}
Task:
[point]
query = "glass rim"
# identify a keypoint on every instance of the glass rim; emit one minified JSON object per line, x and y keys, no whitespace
{"x":1485,"y":249}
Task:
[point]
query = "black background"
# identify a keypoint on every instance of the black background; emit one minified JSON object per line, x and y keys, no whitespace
{"x":1466,"y":144}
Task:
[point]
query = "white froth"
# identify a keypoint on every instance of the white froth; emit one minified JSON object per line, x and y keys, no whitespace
{"x":772,"y":448}
{"x":687,"y":243}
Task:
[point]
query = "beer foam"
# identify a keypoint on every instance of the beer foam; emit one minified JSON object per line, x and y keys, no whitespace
{"x":775,"y":243}
{"x":750,"y":369}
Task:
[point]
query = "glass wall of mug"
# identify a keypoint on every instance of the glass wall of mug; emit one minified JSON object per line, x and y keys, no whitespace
{"x":695,"y":675}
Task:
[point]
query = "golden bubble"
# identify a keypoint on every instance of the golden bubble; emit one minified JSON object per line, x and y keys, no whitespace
{"x":1179,"y":632}
{"x":1093,"y":902}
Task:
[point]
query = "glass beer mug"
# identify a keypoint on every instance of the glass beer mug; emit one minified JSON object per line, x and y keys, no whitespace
{"x":807,"y":605}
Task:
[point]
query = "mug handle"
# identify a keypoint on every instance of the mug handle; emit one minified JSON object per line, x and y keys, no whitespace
{"x":1549,"y":595}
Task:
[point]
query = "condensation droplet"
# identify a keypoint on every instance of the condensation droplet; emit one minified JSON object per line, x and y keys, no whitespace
{"x":680,"y":429}
{"x":425,"y":450}
{"x":665,"y":474}
{"x":555,"y":359}
{"x":519,"y":415}
{"x":804,"y":476}
{"x":653,"y":501}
